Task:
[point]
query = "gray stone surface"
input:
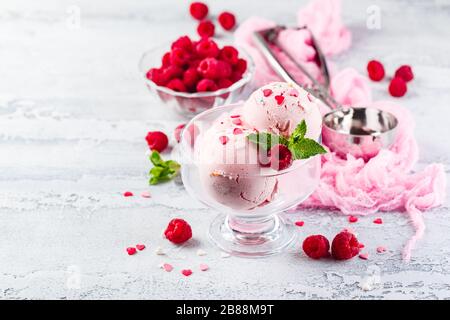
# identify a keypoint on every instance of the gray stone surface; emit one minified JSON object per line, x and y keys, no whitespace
{"x":73,"y":114}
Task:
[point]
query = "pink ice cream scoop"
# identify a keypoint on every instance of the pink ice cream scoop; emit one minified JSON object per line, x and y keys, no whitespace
{"x":279,"y":107}
{"x":229,"y":166}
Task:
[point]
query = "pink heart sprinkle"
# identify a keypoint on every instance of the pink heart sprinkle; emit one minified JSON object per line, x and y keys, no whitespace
{"x":186,"y":272}
{"x":237,"y":131}
{"x":146,"y":194}
{"x":293,"y":92}
{"x":378,"y":221}
{"x":267,"y":92}
{"x":381,"y":249}
{"x":352,"y":219}
{"x":167,"y":267}
{"x":131,"y":251}
{"x":237,"y":121}
{"x":364,"y":256}
{"x":223,"y":140}
{"x":300,"y":223}
{"x":203,"y":267}
{"x":128,"y":194}
{"x":140,"y":247}
{"x":279,"y":99}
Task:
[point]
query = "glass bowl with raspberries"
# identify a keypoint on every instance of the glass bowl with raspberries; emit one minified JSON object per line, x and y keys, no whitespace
{"x":193,"y":76}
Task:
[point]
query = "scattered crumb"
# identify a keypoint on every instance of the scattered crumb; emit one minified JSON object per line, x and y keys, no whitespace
{"x":203,"y":267}
{"x":224,"y":255}
{"x":381,"y":249}
{"x":146,"y":194}
{"x":167,"y":267}
{"x":201,"y":252}
{"x":160,"y":251}
{"x":364,"y":256}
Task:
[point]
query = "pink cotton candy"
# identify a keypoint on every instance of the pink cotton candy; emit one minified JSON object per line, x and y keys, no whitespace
{"x":323,"y":17}
{"x":349,"y":87}
{"x":385,"y":182}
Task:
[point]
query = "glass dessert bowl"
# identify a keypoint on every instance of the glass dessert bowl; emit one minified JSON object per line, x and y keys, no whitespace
{"x":228,"y":177}
{"x":188,"y":104}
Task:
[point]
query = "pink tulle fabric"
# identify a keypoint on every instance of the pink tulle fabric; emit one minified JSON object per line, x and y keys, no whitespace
{"x":384,"y":183}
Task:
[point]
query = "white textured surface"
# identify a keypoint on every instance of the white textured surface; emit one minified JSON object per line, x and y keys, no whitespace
{"x":73,"y":114}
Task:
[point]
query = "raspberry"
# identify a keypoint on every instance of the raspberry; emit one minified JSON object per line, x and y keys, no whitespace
{"x":207,"y":48}
{"x":176,"y":85}
{"x":227,"y":20}
{"x":157,"y":140}
{"x":375,"y":70}
{"x":405,"y":72}
{"x":178,"y":131}
{"x":224,"y":83}
{"x":316,"y":246}
{"x":223,"y":140}
{"x":206,"y":29}
{"x":235,"y":76}
{"x":206,"y":85}
{"x":299,"y":223}
{"x":198,"y":10}
{"x":279,"y":99}
{"x":178,"y":231}
{"x":183,"y":43}
{"x":229,"y":54}
{"x":128,"y":194}
{"x":344,"y":246}
{"x":170,"y":73}
{"x":378,"y":221}
{"x":179,"y":57}
{"x":352,"y":219}
{"x":131,"y":251}
{"x":241,"y":66}
{"x":280,"y":157}
{"x":186,"y":272}
{"x":156,"y":76}
{"x":166,"y":60}
{"x":210,"y":68}
{"x":190,"y":78}
{"x":223,"y":69}
{"x":140,"y":247}
{"x":397,"y":87}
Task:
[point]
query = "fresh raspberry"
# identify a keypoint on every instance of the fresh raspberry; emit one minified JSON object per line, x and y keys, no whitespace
{"x":205,"y":85}
{"x":128,"y":194}
{"x":378,"y":221}
{"x":157,"y":140}
{"x":344,"y":246}
{"x":224,"y":83}
{"x":223,"y":69}
{"x":178,"y":131}
{"x":190,"y":78}
{"x":397,"y":87}
{"x":316,"y":246}
{"x":352,"y":219}
{"x":375,"y":70}
{"x":184,"y":43}
{"x":405,"y":72}
{"x":227,"y":20}
{"x":198,"y":10}
{"x":209,"y":68}
{"x":131,"y":251}
{"x":235,"y":76}
{"x":240,"y":66}
{"x":206,"y":29}
{"x":179,"y":57}
{"x":280,"y":157}
{"x":140,"y":247}
{"x":229,"y":54}
{"x":223,"y":140}
{"x":155,"y":75}
{"x":178,"y":231}
{"x":166,"y":60}
{"x":176,"y":85}
{"x":207,"y":48}
{"x":171,"y":72}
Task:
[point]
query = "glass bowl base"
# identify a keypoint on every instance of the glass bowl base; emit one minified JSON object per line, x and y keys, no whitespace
{"x":274,"y":238}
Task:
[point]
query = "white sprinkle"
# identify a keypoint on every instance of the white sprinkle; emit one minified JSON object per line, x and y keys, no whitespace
{"x":201,"y":252}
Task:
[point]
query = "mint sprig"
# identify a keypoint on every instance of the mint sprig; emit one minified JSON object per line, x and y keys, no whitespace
{"x":301,"y":147}
{"x":162,"y":170}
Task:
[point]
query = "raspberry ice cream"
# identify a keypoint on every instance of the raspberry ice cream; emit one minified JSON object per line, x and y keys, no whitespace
{"x":279,"y":107}
{"x":231,"y":168}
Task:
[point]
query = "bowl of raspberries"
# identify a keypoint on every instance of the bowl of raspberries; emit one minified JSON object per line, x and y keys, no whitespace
{"x":193,"y":76}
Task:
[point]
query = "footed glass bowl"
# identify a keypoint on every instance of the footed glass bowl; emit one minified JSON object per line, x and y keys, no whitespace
{"x":250,"y":201}
{"x":190,"y":104}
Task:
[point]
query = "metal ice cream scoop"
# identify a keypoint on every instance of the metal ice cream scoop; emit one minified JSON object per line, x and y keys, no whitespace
{"x":359,"y":131}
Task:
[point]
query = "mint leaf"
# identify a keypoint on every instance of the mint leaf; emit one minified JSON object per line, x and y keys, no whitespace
{"x":306,"y":148}
{"x":162,"y":170}
{"x":267,"y":140}
{"x":299,"y":132}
